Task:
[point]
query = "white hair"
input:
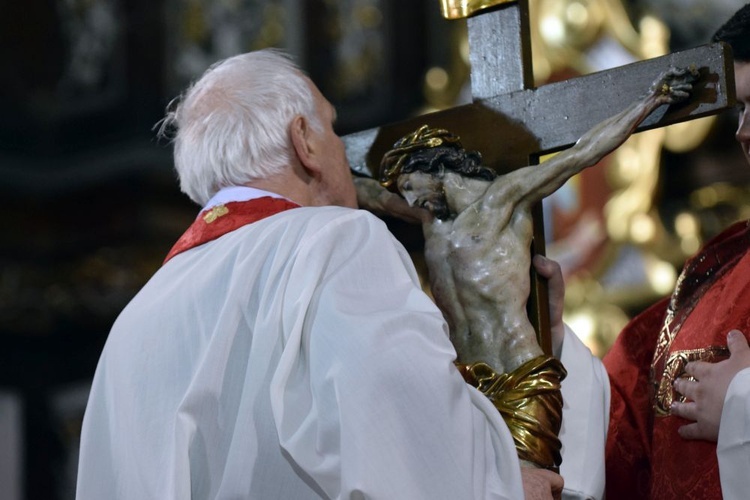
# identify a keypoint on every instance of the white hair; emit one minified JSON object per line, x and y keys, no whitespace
{"x":232,"y":124}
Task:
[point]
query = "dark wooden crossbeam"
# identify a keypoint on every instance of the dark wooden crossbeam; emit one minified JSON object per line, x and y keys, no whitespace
{"x":509,"y":129}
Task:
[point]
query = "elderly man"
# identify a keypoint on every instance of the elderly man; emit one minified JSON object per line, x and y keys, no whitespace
{"x":286,"y":349}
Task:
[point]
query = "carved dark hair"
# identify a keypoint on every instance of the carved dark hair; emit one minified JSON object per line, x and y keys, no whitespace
{"x":440,"y":159}
{"x":736,"y":33}
{"x":432,"y":151}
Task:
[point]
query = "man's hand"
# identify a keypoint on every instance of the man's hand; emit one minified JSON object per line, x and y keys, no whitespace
{"x":551,"y":270}
{"x":707,"y":392}
{"x":674,"y":85}
{"x":541,"y":484}
{"x":375,"y":198}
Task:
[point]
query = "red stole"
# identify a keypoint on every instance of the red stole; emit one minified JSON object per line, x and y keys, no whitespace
{"x":646,"y":458}
{"x":225,"y":218}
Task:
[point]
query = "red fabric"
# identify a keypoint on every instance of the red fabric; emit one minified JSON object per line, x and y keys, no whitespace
{"x":238,"y":214}
{"x":628,"y":450}
{"x":646,"y":458}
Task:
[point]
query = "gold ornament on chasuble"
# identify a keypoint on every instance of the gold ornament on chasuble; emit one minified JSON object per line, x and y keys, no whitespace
{"x":697,"y":277}
{"x":667,"y":366}
{"x":459,"y":9}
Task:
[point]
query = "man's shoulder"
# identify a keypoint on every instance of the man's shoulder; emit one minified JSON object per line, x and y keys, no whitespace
{"x":333,"y":216}
{"x":340,"y":231}
{"x":305,"y":226}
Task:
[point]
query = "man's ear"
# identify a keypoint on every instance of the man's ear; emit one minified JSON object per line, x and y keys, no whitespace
{"x":300,"y":132}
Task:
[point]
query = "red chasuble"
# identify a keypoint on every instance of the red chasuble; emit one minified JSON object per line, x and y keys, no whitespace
{"x":646,"y":458}
{"x":225,"y":218}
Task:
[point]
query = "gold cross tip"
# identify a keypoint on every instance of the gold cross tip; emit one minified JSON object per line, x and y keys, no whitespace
{"x":460,"y":9}
{"x":215,"y":213}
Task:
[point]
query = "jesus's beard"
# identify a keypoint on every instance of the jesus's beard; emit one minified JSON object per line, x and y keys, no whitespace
{"x":437,"y":207}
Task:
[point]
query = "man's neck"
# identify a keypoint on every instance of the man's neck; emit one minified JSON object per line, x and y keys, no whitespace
{"x":287,"y":185}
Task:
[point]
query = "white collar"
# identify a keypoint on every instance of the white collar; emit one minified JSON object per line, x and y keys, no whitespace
{"x":238,"y":193}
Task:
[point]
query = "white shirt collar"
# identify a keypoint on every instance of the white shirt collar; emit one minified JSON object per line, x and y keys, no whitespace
{"x":238,"y":193}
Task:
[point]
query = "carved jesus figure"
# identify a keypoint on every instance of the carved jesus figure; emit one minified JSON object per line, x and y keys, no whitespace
{"x":477,"y":242}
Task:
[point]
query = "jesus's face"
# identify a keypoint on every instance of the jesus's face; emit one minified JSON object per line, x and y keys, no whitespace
{"x":424,"y":190}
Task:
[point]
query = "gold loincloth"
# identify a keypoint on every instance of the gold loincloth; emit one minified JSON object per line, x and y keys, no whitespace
{"x":530,"y":402}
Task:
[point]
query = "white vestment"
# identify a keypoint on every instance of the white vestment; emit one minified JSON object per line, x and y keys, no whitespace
{"x":733,"y":446}
{"x":297,"y":357}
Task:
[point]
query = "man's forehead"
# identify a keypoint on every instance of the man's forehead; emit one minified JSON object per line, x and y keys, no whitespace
{"x":317,"y":94}
{"x":327,"y":107}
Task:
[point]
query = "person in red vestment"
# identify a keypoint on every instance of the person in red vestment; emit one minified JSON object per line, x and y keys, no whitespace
{"x":680,"y":371}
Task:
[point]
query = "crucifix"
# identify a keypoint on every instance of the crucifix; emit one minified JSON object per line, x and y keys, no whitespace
{"x":512,"y":123}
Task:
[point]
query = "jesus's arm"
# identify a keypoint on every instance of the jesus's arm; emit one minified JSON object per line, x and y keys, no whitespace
{"x":531,"y":184}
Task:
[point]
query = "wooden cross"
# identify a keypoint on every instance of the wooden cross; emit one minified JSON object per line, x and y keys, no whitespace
{"x":512,"y":123}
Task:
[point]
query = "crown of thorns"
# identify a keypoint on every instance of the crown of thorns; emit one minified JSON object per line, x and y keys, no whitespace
{"x":423,"y":138}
